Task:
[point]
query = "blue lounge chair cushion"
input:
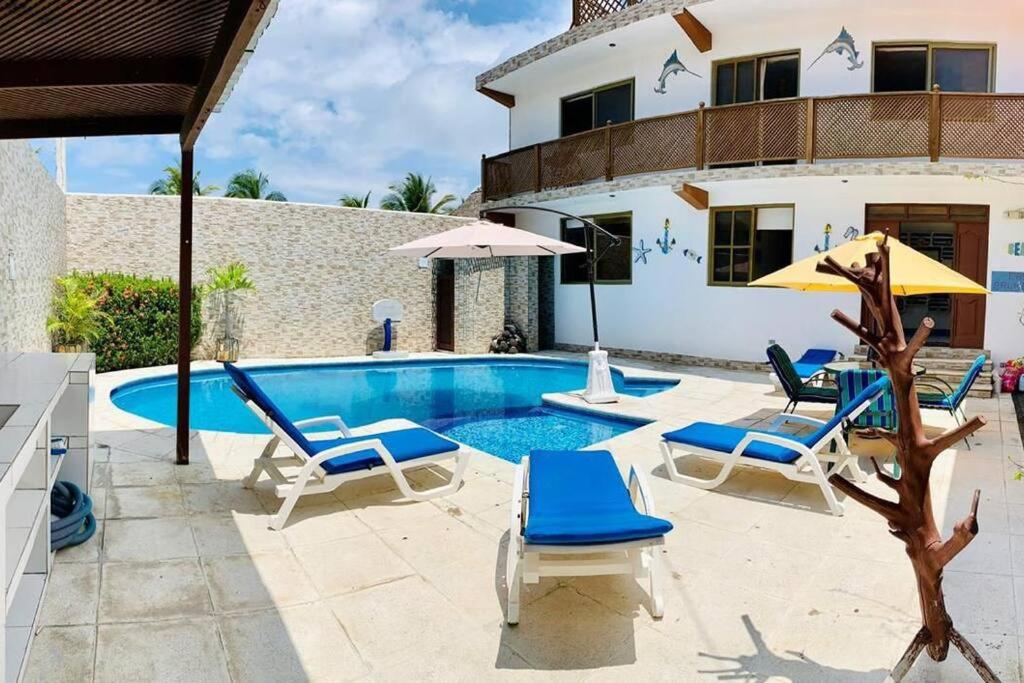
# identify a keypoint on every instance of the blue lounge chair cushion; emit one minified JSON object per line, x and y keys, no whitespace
{"x":403,"y":444}
{"x":244,"y":381}
{"x":724,"y":438}
{"x":579,"y":498}
{"x":813,"y":360}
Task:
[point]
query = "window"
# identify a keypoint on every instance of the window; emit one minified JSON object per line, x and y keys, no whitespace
{"x":749,"y":242}
{"x":766,"y":77}
{"x":955,"y":68}
{"x":593,"y":109}
{"x":616,"y":266}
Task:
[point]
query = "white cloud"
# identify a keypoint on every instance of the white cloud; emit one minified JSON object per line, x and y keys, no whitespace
{"x":345,"y":96}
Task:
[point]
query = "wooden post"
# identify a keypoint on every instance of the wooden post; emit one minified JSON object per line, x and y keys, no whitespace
{"x":184,"y":306}
{"x":935,"y":123}
{"x":483,"y":177}
{"x":609,"y":160}
{"x":575,"y":13}
{"x":809,"y":123}
{"x":700,"y":138}
{"x":538,"y":181}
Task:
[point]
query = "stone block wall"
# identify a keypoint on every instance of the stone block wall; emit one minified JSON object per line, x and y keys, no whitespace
{"x":32,"y":247}
{"x":521,"y":297}
{"x":317,"y":269}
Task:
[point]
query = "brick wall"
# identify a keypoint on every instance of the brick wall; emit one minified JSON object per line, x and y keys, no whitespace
{"x":32,"y":237}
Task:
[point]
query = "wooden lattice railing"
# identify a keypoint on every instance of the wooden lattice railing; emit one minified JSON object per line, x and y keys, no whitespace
{"x":926,"y":125}
{"x":588,"y":10}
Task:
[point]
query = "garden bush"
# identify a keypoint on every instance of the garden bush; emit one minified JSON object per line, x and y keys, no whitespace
{"x":140,"y":328}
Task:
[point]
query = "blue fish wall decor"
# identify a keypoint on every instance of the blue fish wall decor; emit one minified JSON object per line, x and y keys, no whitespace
{"x":693,"y":256}
{"x":845,"y":46}
{"x":672,"y":66}
{"x":664,"y":244}
{"x":641,"y":252}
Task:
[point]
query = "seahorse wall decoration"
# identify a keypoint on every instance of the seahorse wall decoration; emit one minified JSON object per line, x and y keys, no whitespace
{"x":845,"y":46}
{"x":672,"y":66}
{"x":664,"y":243}
{"x":828,"y":240}
{"x":851,"y":233}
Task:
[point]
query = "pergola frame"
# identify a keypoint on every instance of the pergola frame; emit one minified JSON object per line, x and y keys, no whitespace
{"x":128,"y":67}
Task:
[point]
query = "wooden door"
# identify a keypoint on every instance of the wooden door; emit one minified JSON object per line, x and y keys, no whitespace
{"x":972,"y":262}
{"x":444,"y":306}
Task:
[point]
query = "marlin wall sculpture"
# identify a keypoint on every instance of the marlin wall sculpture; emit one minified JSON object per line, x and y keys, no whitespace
{"x":845,"y":46}
{"x":672,"y":66}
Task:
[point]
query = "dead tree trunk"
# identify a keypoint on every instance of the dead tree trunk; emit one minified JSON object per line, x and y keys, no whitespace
{"x":910,"y":517}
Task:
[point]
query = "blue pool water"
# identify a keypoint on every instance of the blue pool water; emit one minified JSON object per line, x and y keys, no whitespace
{"x":492,"y":404}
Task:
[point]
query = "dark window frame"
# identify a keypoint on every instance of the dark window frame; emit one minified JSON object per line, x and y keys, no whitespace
{"x":758,"y":60}
{"x":631,"y":82}
{"x":751,"y":245}
{"x":929,"y":47}
{"x":627,"y":244}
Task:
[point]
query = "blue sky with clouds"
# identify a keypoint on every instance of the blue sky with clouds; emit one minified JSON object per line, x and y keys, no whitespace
{"x":345,"y":96}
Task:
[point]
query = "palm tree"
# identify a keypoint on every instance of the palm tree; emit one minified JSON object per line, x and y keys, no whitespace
{"x":351,"y":201}
{"x":415,"y":194}
{"x":170,"y":184}
{"x":251,"y":184}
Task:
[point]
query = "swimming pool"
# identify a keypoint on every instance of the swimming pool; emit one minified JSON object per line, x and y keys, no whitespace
{"x":493,"y":404}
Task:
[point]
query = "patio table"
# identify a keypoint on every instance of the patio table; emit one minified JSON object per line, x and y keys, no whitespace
{"x":835,"y":367}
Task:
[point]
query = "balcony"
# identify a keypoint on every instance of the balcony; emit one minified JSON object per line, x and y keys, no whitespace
{"x":584,"y":11}
{"x":929,"y":125}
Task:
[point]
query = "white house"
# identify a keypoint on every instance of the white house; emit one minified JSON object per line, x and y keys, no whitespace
{"x":744,"y":136}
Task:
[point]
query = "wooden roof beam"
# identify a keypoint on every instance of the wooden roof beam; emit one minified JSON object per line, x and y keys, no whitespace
{"x":69,"y":73}
{"x":502,"y":98}
{"x":698,"y":32}
{"x":236,"y":34}
{"x":92,"y":126}
{"x":696,"y":197}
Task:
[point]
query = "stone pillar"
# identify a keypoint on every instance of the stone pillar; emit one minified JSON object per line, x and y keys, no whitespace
{"x":479,"y":303}
{"x":521,"y":297}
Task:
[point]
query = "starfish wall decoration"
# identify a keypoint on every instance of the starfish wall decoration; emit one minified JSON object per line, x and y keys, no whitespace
{"x":641,"y":252}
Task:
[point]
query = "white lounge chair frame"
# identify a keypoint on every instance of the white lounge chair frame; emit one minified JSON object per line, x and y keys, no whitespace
{"x":312,"y":478}
{"x":527,"y":563}
{"x":808,"y":468}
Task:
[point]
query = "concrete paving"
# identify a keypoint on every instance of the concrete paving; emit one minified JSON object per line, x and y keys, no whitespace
{"x":185,"y":582}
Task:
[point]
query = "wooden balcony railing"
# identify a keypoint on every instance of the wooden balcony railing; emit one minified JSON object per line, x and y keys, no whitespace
{"x":928,"y":125}
{"x":588,"y":10}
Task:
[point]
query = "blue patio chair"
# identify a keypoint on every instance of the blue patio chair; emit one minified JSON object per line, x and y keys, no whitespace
{"x":799,"y":457}
{"x":572,"y":515}
{"x":815,"y":389}
{"x":813,"y":362}
{"x":328,"y":463}
{"x":881,"y":414}
{"x":945,"y":397}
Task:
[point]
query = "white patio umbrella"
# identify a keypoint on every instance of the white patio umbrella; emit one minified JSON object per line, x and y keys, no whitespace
{"x":484,"y":239}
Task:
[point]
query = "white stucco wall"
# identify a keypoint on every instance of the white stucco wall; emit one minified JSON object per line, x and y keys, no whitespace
{"x":742,"y":28}
{"x":670,"y":308}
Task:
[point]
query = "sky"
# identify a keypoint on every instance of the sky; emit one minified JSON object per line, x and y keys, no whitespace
{"x":345,"y":97}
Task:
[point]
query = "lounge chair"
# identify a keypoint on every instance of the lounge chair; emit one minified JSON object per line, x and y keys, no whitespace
{"x":572,"y":515}
{"x":881,"y":414}
{"x":797,"y":457}
{"x":798,"y":390}
{"x":328,"y":463}
{"x":945,"y":397}
{"x":813,"y":361}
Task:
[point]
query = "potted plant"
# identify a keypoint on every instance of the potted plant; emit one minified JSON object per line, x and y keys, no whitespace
{"x":76,"y":318}
{"x":224,"y":291}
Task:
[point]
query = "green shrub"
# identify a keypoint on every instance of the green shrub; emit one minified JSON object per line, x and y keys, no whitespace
{"x":140,"y":326}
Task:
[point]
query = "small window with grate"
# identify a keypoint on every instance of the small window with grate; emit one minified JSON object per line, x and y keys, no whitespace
{"x":616,"y":264}
{"x":749,"y":242}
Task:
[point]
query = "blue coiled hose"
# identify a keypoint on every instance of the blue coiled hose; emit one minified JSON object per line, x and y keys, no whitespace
{"x":76,"y":523}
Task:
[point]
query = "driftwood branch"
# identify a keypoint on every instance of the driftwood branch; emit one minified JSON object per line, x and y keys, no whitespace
{"x":886,"y":508}
{"x":891,"y":482}
{"x":963,"y":533}
{"x":947,"y":439}
{"x":917,"y":342}
{"x":861,"y":331}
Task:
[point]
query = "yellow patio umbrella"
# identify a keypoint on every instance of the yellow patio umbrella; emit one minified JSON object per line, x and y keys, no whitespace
{"x":911,"y":272}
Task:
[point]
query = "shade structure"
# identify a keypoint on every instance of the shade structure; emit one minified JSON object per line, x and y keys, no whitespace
{"x":911,"y":271}
{"x":484,"y":239}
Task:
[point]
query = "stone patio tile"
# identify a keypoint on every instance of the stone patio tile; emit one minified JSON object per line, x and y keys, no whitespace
{"x":144,"y":501}
{"x":135,"y":591}
{"x":141,"y":473}
{"x":74,"y":592}
{"x":141,"y":540}
{"x":188,"y":651}
{"x":84,"y":552}
{"x":390,"y":510}
{"x":478,"y":495}
{"x":244,"y":582}
{"x":972,"y":601}
{"x":62,"y":654}
{"x":351,"y":564}
{"x":1001,"y":653}
{"x":149,"y":445}
{"x":439,"y":542}
{"x":223,"y":497}
{"x":989,"y":552}
{"x":235,"y":534}
{"x":295,"y":643}
{"x":321,"y":524}
{"x":385,"y":620}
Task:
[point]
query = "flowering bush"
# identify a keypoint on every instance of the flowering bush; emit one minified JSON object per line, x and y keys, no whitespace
{"x":140,"y":327}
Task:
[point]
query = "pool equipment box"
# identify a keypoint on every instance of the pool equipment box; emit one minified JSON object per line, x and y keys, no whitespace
{"x":387,"y":312}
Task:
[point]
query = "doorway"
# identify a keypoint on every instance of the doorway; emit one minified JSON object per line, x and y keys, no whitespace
{"x":956,"y":236}
{"x":444,"y":305}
